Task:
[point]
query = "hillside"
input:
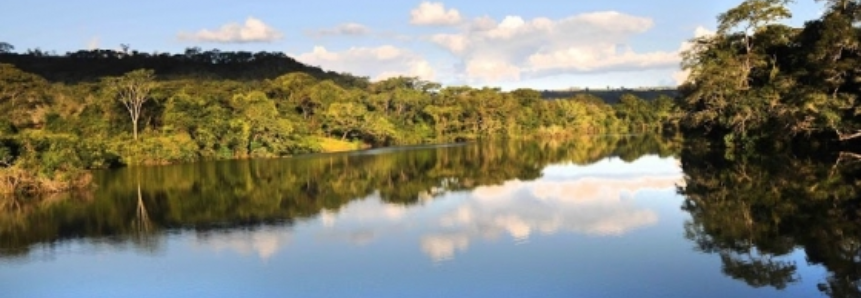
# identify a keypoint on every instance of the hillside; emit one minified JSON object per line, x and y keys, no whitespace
{"x":91,"y":65}
{"x":611,"y":96}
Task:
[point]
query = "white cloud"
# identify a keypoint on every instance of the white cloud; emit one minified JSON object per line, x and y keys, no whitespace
{"x":253,"y":30}
{"x":492,"y":70}
{"x":346,"y":29}
{"x":703,"y":32}
{"x":94,"y":43}
{"x":681,"y":76}
{"x":434,"y":14}
{"x":455,"y":43}
{"x":376,"y":62}
{"x":482,"y":24}
{"x":507,"y":50}
{"x":587,"y":59}
{"x":516,"y":48}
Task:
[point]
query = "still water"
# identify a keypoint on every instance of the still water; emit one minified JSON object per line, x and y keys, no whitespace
{"x":590,"y":218}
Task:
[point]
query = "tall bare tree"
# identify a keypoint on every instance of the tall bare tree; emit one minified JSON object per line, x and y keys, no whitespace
{"x":133,"y":90}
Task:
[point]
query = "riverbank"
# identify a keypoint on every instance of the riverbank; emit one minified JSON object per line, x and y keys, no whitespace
{"x":50,"y":172}
{"x":15,"y":180}
{"x":28,"y":178}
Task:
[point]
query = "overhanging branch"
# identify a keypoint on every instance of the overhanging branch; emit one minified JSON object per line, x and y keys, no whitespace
{"x":845,"y":137}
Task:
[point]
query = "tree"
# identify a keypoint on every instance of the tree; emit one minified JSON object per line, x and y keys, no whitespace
{"x":294,"y":89}
{"x":133,"y":90}
{"x":751,"y":16}
{"x":665,"y":110}
{"x":23,"y":97}
{"x":6,"y":47}
{"x":739,"y":77}
{"x":347,"y":116}
{"x":259,"y":128}
{"x":846,"y":7}
{"x":526,"y":97}
{"x":320,"y":95}
{"x":635,"y":111}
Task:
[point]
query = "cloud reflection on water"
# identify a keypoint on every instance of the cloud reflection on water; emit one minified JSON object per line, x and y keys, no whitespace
{"x":594,"y":200}
{"x":262,"y":242}
{"x":590,"y":206}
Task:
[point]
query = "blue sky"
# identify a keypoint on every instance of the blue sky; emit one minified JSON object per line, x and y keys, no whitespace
{"x":537,"y":44}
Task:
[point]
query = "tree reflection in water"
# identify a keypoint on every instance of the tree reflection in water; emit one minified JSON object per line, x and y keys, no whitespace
{"x":757,"y":210}
{"x":135,"y":206}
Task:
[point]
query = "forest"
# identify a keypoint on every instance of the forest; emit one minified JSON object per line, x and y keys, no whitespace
{"x":63,"y":115}
{"x":757,"y":82}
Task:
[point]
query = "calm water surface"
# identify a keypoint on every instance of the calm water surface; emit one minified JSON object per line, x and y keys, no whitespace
{"x":603,"y":218}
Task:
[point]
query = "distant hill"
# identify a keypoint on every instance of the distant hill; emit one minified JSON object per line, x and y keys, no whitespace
{"x":92,"y":65}
{"x":610,"y":96}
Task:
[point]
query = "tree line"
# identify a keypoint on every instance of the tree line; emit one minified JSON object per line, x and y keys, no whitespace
{"x":183,"y":108}
{"x":93,"y":65}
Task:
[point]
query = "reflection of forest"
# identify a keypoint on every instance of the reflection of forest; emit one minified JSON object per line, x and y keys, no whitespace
{"x":754,"y":212}
{"x":233,"y":193}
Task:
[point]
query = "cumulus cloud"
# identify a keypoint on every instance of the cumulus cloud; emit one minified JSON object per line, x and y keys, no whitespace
{"x":346,"y":29}
{"x":515,"y":48}
{"x":434,"y":14}
{"x":510,"y":49}
{"x":377,"y":62}
{"x":252,"y":30}
{"x":492,"y":70}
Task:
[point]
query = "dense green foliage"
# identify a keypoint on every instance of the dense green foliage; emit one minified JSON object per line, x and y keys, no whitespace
{"x":187,"y":107}
{"x":756,"y":79}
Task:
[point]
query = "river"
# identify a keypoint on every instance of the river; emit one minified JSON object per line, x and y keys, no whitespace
{"x":603,"y":217}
